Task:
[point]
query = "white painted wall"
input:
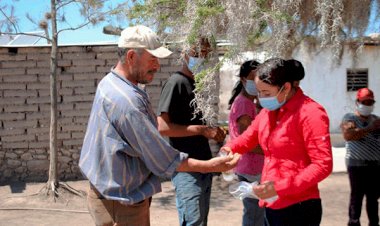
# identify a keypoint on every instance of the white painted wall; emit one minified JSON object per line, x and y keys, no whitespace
{"x":324,"y":80}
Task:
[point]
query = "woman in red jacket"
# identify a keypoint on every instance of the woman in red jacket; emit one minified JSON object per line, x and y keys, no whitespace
{"x":293,"y":131}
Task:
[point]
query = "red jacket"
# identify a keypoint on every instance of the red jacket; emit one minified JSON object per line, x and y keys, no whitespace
{"x":297,"y":147}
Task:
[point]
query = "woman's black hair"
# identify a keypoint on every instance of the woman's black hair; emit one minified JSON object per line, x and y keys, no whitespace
{"x":245,"y":69}
{"x":277,"y":71}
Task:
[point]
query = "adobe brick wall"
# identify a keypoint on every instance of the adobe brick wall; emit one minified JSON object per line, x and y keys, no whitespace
{"x":25,"y":105}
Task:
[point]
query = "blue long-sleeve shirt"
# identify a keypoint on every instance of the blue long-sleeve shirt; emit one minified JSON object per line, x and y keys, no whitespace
{"x":123,"y":155}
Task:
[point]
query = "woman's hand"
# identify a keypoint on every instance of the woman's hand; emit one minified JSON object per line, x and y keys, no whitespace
{"x":226,"y":150}
{"x":265,"y":190}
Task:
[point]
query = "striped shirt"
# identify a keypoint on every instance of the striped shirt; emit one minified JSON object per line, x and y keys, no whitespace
{"x":365,"y":149}
{"x":123,"y":155}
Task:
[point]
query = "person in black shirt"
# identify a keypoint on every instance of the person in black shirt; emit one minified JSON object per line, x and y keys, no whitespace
{"x":188,"y":134}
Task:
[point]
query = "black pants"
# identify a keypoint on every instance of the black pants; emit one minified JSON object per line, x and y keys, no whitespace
{"x":306,"y":213}
{"x":364,"y":180}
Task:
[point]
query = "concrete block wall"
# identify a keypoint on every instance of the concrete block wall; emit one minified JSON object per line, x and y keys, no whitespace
{"x":25,"y":105}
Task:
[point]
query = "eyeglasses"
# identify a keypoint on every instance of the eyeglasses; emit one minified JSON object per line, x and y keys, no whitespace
{"x":367,"y":102}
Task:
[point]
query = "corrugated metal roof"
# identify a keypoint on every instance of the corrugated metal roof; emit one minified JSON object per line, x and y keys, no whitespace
{"x":21,"y":40}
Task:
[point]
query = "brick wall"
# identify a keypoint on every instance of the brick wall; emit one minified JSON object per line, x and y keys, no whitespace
{"x":25,"y":105}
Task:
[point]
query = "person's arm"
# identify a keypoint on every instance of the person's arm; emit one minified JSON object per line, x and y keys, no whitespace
{"x":171,"y":96}
{"x":217,"y":164}
{"x":243,"y":122}
{"x":167,"y":128}
{"x":245,"y":142}
{"x":351,"y":132}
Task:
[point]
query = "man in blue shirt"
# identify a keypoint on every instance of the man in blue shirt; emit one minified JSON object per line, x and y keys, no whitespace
{"x":123,"y":154}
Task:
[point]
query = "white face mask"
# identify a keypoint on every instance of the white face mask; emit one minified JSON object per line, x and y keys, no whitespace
{"x":364,"y":109}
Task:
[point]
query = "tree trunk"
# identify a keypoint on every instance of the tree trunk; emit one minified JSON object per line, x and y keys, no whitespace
{"x":53,"y":175}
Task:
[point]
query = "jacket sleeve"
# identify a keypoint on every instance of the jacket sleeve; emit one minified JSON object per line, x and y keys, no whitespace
{"x":246,"y":141}
{"x":315,"y":131}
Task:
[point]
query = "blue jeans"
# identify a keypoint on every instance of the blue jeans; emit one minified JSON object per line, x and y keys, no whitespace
{"x":193,"y":191}
{"x":253,"y":215}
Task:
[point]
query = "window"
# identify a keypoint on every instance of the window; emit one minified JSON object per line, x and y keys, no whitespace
{"x":357,"y":79}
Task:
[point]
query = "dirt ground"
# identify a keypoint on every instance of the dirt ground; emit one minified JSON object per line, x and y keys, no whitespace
{"x":18,"y":206}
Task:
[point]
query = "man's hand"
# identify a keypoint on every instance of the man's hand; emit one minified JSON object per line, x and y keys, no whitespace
{"x":216,"y":133}
{"x":222,"y":163}
{"x":217,"y":164}
{"x":375,"y":125}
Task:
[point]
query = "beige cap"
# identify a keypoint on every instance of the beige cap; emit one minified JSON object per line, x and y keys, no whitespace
{"x":143,"y":37}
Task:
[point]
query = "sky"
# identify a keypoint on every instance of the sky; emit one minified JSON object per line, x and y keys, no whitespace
{"x":37,"y":9}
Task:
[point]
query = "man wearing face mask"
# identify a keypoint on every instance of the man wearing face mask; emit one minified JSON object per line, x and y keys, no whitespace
{"x":361,"y":130}
{"x":188,"y":134}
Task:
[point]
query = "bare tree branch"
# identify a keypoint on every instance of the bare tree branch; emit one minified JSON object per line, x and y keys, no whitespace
{"x":24,"y":33}
{"x":9,"y":19}
{"x":74,"y":28}
{"x":65,"y":3}
{"x":89,"y":20}
{"x":29,"y":17}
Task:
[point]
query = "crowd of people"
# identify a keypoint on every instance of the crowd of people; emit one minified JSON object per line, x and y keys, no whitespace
{"x":278,"y":137}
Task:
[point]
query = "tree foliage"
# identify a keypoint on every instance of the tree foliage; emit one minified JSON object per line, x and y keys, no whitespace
{"x":276,"y":26}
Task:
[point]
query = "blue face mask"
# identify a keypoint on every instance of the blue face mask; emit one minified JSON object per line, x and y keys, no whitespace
{"x":271,"y":103}
{"x":250,"y":87}
{"x":195,"y":64}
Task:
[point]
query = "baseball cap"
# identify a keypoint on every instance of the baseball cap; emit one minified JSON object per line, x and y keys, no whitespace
{"x":365,"y":94}
{"x":140,"y":36}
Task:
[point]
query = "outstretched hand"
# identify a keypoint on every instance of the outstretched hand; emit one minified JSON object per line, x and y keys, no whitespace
{"x":223,"y":163}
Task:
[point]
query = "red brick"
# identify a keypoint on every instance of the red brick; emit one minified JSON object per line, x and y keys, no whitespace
{"x":12,"y":57}
{"x":34,"y":50}
{"x":38,"y":56}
